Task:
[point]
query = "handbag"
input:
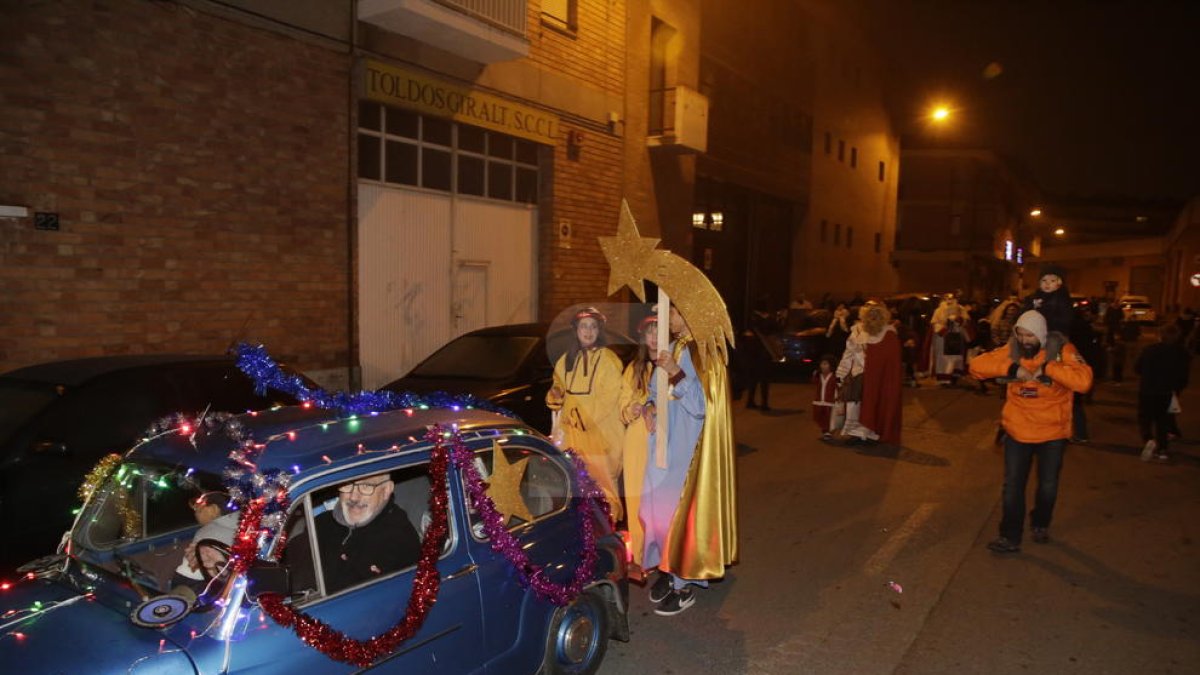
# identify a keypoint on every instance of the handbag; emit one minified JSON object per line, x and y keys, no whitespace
{"x":1174,"y":408}
{"x":837,"y":417}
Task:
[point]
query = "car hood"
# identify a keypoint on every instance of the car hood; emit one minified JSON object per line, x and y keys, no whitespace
{"x":74,"y":634}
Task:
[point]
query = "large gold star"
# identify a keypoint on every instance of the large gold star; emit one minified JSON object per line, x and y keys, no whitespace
{"x":628,"y":254}
{"x":504,"y":485}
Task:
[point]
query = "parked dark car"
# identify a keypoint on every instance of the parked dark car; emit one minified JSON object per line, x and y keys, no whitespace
{"x":801,"y":342}
{"x":58,"y":419}
{"x":509,"y":366}
{"x":136,"y":619}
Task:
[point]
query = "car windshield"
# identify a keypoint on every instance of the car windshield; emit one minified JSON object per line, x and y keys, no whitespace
{"x":20,"y":401}
{"x":482,"y":357}
{"x":141,"y":519}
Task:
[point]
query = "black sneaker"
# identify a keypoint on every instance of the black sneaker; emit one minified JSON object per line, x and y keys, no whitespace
{"x":661,"y":588}
{"x":676,"y":602}
{"x":1041,"y":535}
{"x":1003,"y":545}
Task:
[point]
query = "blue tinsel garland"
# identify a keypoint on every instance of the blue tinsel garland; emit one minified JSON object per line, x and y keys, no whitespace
{"x":260,"y":367}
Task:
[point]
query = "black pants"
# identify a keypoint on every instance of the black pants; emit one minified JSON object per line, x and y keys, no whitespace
{"x":1153,"y":419}
{"x":1018,"y":460}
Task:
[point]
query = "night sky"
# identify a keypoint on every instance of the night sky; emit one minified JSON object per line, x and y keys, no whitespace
{"x":1097,"y":98}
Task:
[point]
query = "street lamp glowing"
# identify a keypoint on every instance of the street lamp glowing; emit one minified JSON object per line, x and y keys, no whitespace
{"x":1058,"y":232}
{"x":1035,"y":213}
{"x":940,"y":114}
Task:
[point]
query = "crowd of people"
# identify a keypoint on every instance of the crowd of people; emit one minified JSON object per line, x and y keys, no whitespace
{"x":1045,"y":351}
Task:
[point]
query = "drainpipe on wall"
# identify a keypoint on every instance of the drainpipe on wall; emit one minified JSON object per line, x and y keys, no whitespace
{"x":353,"y":374}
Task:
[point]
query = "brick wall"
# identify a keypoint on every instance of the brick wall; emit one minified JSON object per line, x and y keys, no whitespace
{"x":199,"y":168}
{"x":586,"y":182}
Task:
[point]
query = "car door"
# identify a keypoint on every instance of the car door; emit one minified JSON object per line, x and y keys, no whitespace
{"x":448,"y":641}
{"x":514,"y":618}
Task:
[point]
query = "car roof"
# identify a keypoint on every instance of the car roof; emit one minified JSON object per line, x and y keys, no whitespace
{"x":74,"y":372}
{"x":301,"y":440}
{"x":524,"y":329}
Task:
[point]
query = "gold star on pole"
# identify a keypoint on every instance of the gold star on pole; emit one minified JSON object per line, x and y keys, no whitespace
{"x":628,"y":254}
{"x":504,"y":485}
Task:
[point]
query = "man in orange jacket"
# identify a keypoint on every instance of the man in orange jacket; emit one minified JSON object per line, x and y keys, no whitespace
{"x":1036,"y":421}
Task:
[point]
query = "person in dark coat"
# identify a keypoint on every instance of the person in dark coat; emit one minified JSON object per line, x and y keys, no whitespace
{"x":365,"y":535}
{"x":1053,"y":300}
{"x":1087,"y":341}
{"x":1163,"y":369}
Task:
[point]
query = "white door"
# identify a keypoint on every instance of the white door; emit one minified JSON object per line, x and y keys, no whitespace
{"x":431,"y":267}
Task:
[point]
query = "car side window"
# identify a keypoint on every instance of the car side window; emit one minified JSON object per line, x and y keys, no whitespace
{"x":545,"y":487}
{"x":363,"y":529}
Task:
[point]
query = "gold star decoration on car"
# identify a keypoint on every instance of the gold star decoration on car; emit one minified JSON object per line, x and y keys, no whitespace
{"x":504,"y":485}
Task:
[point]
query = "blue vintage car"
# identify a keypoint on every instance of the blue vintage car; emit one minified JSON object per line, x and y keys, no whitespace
{"x":116,"y":603}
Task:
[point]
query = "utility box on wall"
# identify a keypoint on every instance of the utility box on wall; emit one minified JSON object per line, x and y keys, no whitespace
{"x":686,"y":115}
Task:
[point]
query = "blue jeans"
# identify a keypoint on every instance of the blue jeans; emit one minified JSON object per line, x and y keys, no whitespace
{"x":1018,"y":459}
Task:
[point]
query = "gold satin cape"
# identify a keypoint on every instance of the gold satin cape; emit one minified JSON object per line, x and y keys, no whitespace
{"x":703,"y":537}
{"x":634,"y":453}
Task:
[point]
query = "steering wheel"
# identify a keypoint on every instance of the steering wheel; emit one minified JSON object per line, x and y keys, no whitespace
{"x":216,"y":545}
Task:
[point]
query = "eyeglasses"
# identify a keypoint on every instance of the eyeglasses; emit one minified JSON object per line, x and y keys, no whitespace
{"x":364,"y":489}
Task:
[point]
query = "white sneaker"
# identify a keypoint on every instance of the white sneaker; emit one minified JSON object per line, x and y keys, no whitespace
{"x":1148,"y":450}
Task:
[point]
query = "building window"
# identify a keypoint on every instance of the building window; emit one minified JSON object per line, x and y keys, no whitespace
{"x":662,"y":59}
{"x":828,"y":142}
{"x":561,"y":14}
{"x":837,"y":234}
{"x":853,"y":158}
{"x":841,"y":151}
{"x":824,"y":231}
{"x":878,"y":242}
{"x":881,"y":171}
{"x":400,"y":147}
{"x":849,"y":237}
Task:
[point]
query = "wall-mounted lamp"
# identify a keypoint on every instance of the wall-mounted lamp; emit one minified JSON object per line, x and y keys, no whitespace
{"x":718,"y":221}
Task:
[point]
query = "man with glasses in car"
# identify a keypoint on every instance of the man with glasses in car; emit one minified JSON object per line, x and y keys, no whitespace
{"x":365,"y":535}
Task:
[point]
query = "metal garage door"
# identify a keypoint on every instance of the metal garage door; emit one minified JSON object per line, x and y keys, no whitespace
{"x":433,"y":266}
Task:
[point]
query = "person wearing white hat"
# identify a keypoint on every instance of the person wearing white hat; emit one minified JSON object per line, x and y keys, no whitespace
{"x":1036,"y":420}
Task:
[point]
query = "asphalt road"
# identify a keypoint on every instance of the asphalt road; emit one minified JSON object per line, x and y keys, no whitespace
{"x":824,"y":529}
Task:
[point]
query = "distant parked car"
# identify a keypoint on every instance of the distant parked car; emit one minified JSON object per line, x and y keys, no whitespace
{"x":509,"y":366}
{"x":1139,"y":312}
{"x":58,"y":419}
{"x":140,"y":617}
{"x":801,"y":342}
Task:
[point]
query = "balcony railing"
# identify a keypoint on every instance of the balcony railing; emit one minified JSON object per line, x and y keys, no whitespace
{"x":507,"y":15}
{"x":485,"y":31}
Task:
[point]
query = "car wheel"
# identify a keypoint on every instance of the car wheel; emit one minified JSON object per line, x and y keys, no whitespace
{"x":578,"y":637}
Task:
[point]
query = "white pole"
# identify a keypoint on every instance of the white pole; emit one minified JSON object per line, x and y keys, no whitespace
{"x":662,"y":382}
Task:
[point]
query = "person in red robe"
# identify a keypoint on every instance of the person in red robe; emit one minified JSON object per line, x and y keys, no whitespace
{"x":873,"y":404}
{"x":826,"y":396}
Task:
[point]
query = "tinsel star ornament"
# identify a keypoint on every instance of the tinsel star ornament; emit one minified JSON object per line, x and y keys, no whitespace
{"x":634,"y":259}
{"x":504,"y":485}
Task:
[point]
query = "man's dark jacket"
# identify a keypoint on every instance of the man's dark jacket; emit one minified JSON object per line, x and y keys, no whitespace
{"x":352,"y":555}
{"x":1163,"y":369}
